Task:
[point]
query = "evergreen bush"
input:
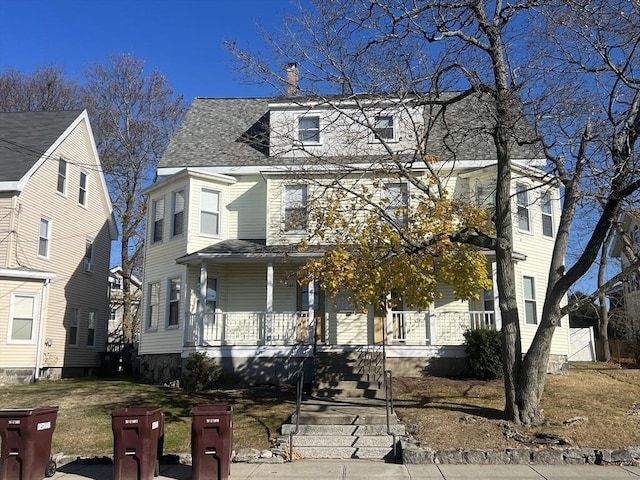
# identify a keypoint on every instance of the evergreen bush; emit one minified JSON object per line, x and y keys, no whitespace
{"x":202,"y":372}
{"x":483,"y":348}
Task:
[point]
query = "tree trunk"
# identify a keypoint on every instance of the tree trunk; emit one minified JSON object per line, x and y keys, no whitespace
{"x":603,"y":327}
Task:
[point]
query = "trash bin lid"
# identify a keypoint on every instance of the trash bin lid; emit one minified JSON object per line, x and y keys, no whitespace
{"x":26,"y":412}
{"x":211,"y":408}
{"x":136,"y":411}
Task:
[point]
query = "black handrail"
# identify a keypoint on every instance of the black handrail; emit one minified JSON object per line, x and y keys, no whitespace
{"x":299,"y":392}
{"x":388,"y":394}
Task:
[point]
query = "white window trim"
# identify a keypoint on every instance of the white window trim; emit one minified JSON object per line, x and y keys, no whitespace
{"x":48,"y":238}
{"x":309,"y":142}
{"x":373,"y":138}
{"x":151,"y":324}
{"x":170,"y":301}
{"x":219,"y":212}
{"x":95,"y":328}
{"x":87,"y":262}
{"x":527,"y":207}
{"x":86,"y":189}
{"x":77,"y":325}
{"x":549,"y":214}
{"x":34,"y":318}
{"x":154,"y":219}
{"x":384,"y":195}
{"x":66,"y":177}
{"x":299,"y":231}
{"x":173,"y":211}
{"x":534,"y":300}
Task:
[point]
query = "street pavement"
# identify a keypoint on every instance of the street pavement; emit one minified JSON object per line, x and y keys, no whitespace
{"x":370,"y":470}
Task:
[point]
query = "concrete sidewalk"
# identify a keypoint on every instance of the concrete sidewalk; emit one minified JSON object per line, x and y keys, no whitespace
{"x":370,"y":470}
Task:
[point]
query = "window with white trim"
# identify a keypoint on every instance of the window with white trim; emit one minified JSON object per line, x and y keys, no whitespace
{"x":157,"y":220}
{"x":396,"y":199}
{"x":546,"y":209}
{"x":522,"y":201}
{"x":91,"y":329}
{"x":210,"y":212}
{"x":309,"y":129}
{"x":74,"y":325}
{"x":295,"y":208}
{"x":45,"y":237}
{"x":62,"y":176}
{"x":82,"y":193}
{"x":384,"y":127}
{"x":211,"y":300}
{"x":174,"y":302}
{"x":22,"y":322}
{"x":177,"y":207}
{"x":88,"y":255}
{"x":530,"y":307}
{"x":153,"y":312}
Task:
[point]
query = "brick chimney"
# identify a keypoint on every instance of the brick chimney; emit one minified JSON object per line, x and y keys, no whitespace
{"x":292,"y":79}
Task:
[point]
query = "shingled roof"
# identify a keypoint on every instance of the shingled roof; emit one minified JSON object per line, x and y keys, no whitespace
{"x":224,"y":132}
{"x":26,"y":136}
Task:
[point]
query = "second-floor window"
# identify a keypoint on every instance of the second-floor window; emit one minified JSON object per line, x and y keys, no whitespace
{"x":45,"y":237}
{"x":396,"y":199}
{"x":530,"y":309}
{"x":210,"y":212}
{"x":62,"y":176}
{"x":157,"y":220}
{"x":174,"y":302}
{"x":177,"y":221}
{"x":82,"y":193}
{"x":154,"y":302}
{"x":384,"y":127}
{"x":309,"y":129}
{"x":522,"y":201}
{"x":295,"y":208}
{"x":88,"y":255}
{"x":547,"y":214}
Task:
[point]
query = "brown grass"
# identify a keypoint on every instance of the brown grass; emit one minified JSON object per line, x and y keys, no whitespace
{"x":444,"y":413}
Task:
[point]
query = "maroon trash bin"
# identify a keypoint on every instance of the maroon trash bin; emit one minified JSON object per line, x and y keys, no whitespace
{"x":26,"y":443}
{"x":211,"y":441}
{"x":138,"y":440}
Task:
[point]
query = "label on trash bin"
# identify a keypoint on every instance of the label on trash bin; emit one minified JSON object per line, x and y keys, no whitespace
{"x":14,"y":422}
{"x":130,"y":421}
{"x":155,"y":425}
{"x":213,"y":420}
{"x":43,"y":426}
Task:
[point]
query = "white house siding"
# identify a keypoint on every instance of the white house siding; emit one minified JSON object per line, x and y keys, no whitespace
{"x":7,"y":217}
{"x":246,"y":209}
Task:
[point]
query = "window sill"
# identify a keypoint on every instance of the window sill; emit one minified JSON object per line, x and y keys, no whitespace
{"x":172,"y":327}
{"x":152,"y":329}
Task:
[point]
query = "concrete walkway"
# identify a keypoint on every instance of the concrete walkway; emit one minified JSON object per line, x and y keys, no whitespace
{"x":371,"y":470}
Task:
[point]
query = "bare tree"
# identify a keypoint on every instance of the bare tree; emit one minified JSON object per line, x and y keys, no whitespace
{"x":134,"y":114}
{"x":570,"y":67}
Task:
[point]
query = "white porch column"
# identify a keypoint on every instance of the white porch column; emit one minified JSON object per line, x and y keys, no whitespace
{"x":268,"y":327}
{"x":496,"y":304}
{"x":431,"y":325}
{"x":388,"y":334}
{"x":202,"y":300}
{"x":311,"y":311}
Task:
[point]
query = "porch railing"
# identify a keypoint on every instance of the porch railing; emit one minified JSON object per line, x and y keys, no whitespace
{"x":412,"y":327}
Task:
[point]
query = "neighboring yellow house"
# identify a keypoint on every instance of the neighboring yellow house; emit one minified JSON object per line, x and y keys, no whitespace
{"x":231,"y":204}
{"x":56,"y":228}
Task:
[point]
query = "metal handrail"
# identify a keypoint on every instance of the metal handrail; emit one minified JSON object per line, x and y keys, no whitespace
{"x":299,"y":392}
{"x":388,"y":397}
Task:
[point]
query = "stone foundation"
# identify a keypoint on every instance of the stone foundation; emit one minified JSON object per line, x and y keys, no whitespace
{"x":16,"y":376}
{"x":159,"y":369}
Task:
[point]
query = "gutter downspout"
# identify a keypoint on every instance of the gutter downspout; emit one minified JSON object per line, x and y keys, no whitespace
{"x":42,"y":318}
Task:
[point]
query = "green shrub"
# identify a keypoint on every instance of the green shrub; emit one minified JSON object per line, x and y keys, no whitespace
{"x":483,"y":348}
{"x":202,"y":372}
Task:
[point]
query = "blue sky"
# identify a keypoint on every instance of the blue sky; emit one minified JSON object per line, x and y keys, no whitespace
{"x":181,"y":38}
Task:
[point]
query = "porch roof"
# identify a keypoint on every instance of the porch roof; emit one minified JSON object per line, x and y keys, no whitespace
{"x":249,"y":250}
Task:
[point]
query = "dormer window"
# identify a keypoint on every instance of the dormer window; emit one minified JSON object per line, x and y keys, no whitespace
{"x":383,"y":127}
{"x":309,"y":129}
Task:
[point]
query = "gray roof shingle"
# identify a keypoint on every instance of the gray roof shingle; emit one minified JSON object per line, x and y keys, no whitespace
{"x":26,"y":136}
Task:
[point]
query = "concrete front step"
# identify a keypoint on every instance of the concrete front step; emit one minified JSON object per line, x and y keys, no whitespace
{"x":348,"y":430}
{"x":343,"y":452}
{"x":340,"y":441}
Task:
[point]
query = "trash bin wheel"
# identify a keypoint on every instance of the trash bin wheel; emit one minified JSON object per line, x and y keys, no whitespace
{"x":50,"y":471}
{"x":156,"y":472}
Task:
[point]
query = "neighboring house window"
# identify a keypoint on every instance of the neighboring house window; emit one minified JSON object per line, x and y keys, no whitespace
{"x":74,"y":322}
{"x":530,"y":310}
{"x":82,"y":194}
{"x":91,"y":330}
{"x":309,"y":129}
{"x":210,"y":212}
{"x":295,"y":208}
{"x":174,"y":301}
{"x":154,"y":301}
{"x":113,"y":315}
{"x":485,"y":196}
{"x":383,"y":127}
{"x":88,"y":255}
{"x":45,"y":237}
{"x":62,"y":176}
{"x":396,"y":197}
{"x":157,"y":220}
{"x":211,"y":301}
{"x":522,"y":201}
{"x":177,"y":227}
{"x":22,"y":318}
{"x":547,"y":214}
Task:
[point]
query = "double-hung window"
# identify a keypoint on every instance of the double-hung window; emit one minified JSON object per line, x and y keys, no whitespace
{"x":530,"y":309}
{"x":45,"y":237}
{"x":396,"y":198}
{"x":88,"y":255}
{"x":91,"y":329}
{"x":82,"y":193}
{"x":547,"y":214}
{"x":210,"y":212}
{"x":22,"y":318}
{"x":174,"y":302}
{"x":309,"y":129}
{"x":295,"y":208}
{"x":62,"y":176}
{"x":157,"y":220}
{"x":177,"y":221}
{"x":384,"y":128}
{"x":522,"y":201}
{"x":153,"y":312}
{"x":74,"y":325}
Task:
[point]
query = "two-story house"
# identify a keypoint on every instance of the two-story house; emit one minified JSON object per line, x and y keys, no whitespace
{"x":232,"y":203}
{"x":56,"y":228}
{"x":116,"y":307}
